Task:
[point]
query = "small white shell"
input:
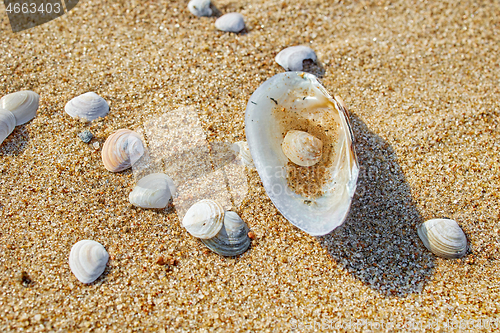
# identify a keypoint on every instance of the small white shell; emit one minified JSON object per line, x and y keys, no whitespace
{"x":121,"y":149}
{"x":88,"y":260}
{"x":204,"y":219}
{"x":291,"y":58}
{"x":200,"y":7}
{"x":87,"y":106}
{"x":152,"y":191}
{"x":232,"y":22}
{"x":302,"y":148}
{"x":232,"y":239}
{"x":22,"y":104}
{"x":7,"y":124}
{"x":241,"y":148}
{"x":443,"y":237}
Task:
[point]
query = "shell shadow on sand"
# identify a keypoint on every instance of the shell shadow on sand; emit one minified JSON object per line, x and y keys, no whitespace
{"x":378,"y":243}
{"x":16,"y":142}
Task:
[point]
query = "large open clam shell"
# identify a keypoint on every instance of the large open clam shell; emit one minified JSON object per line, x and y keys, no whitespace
{"x":232,"y":239}
{"x":315,"y":199}
{"x":204,"y":219}
{"x":443,"y":237}
{"x":87,"y":106}
{"x":121,"y":150}
{"x":7,"y":124}
{"x":152,"y":191}
{"x":88,"y":260}
{"x":22,"y":104}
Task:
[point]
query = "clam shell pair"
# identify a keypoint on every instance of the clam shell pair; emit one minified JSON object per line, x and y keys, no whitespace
{"x":122,"y":149}
{"x":88,"y":106}
{"x":225,"y":233}
{"x":88,"y":260}
{"x":281,"y":106}
{"x":443,"y":237}
{"x":16,"y":109}
{"x":152,"y":191}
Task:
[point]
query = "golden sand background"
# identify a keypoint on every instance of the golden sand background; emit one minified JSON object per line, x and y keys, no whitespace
{"x":421,"y":79}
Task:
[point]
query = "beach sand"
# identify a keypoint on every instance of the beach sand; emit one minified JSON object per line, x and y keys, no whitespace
{"x":421,"y":80}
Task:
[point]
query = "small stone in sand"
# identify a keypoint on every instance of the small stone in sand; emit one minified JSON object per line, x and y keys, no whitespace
{"x":85,"y":136}
{"x":200,"y":7}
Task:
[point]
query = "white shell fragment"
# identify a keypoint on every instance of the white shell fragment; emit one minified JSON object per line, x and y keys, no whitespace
{"x":232,"y":239}
{"x":204,"y":219}
{"x":317,"y":198}
{"x":200,"y":7}
{"x":121,"y":150}
{"x":243,"y":152}
{"x":87,"y":106}
{"x":88,"y":260}
{"x":7,"y":124}
{"x":22,"y":104}
{"x":152,"y":191}
{"x":302,"y":148}
{"x":292,"y":58}
{"x":443,"y":237}
{"x":232,"y":22}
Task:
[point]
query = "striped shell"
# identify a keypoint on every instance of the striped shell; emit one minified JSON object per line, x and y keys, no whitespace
{"x":87,"y":106}
{"x":122,"y":149}
{"x":152,"y":191}
{"x":443,"y":237}
{"x":302,"y":148}
{"x":7,"y":124}
{"x":204,"y":219}
{"x":232,"y":239}
{"x":22,"y":104}
{"x":88,"y":260}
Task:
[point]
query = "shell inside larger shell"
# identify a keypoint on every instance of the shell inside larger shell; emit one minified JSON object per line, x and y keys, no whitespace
{"x":315,"y":199}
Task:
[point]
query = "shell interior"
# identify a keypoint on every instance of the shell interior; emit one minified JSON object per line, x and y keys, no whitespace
{"x":232,"y":239}
{"x":320,"y":201}
{"x":204,"y":219}
{"x":22,"y":104}
{"x":88,"y":260}
{"x":292,"y":58}
{"x":87,"y":106}
{"x":443,"y":237}
{"x":152,"y":191}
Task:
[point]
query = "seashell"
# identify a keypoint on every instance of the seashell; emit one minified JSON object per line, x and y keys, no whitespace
{"x":315,"y":199}
{"x":241,"y":148}
{"x":22,"y":104}
{"x":86,"y":136}
{"x":232,"y":22}
{"x":87,"y":106}
{"x":88,"y":260}
{"x":291,"y":58}
{"x":443,"y":237}
{"x":122,"y":149}
{"x":200,"y":7}
{"x":302,"y":148}
{"x":152,"y":191}
{"x":204,"y":219}
{"x":7,"y":124}
{"x":232,"y":239}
